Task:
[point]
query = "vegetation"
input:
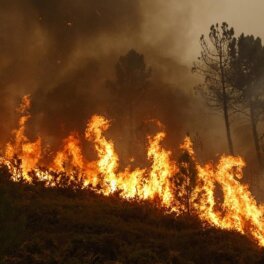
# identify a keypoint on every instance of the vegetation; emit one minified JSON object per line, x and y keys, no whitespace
{"x":214,"y":65}
{"x":232,"y":69}
{"x":40,"y":225}
{"x":247,"y":56}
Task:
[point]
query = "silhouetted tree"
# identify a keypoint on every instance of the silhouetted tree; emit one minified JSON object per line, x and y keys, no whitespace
{"x":214,"y":66}
{"x":185,"y":179}
{"x":132,"y":78}
{"x":248,"y":67}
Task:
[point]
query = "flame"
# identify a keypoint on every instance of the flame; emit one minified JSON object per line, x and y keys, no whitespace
{"x":161,"y":173}
{"x":70,"y":160}
{"x":20,"y":146}
{"x":239,"y":210}
{"x":108,"y":160}
{"x":70,"y":154}
{"x":212,"y":192}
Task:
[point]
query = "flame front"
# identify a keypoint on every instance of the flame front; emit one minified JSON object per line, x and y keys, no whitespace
{"x":180,"y":187}
{"x":20,"y":146}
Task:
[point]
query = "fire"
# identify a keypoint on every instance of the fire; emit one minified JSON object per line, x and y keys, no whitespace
{"x":108,"y":160}
{"x":162,"y":171}
{"x":240,"y":210}
{"x":145,"y":184}
{"x":70,"y":160}
{"x":20,"y":146}
{"x":70,"y":154}
{"x":212,"y":192}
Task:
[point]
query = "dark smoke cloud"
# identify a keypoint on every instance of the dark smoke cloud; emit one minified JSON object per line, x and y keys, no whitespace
{"x":41,"y":54}
{"x":62,"y":52}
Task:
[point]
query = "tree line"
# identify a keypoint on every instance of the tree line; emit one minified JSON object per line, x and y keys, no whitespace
{"x":232,"y":69}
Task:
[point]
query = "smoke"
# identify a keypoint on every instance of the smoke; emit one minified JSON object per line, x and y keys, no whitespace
{"x":62,"y":52}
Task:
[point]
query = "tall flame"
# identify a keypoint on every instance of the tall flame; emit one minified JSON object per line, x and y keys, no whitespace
{"x":108,"y":160}
{"x":20,"y":146}
{"x":161,"y":173}
{"x":239,"y":210}
{"x":213,"y":192}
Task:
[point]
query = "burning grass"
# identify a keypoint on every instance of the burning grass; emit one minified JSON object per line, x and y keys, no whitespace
{"x":182,"y":187}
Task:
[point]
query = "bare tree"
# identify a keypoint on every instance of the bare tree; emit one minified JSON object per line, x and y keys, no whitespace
{"x":214,"y":66}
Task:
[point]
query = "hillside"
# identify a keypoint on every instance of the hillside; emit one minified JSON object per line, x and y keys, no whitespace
{"x":39,"y":225}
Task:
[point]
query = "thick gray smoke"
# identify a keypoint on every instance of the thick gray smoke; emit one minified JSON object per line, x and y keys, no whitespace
{"x":62,"y":52}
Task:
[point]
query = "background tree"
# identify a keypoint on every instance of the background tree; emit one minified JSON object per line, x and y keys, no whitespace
{"x":132,"y":78}
{"x":214,"y":66}
{"x":248,"y":67}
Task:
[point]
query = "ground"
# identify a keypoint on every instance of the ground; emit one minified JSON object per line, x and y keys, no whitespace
{"x":39,"y":225}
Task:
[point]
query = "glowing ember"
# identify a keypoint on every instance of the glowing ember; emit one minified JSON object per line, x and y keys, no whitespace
{"x":187,"y":187}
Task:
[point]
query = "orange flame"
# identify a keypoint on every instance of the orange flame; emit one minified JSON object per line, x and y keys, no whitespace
{"x":236,"y":210}
{"x":28,"y":152}
{"x":108,"y":160}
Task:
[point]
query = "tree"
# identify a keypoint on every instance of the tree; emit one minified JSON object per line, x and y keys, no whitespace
{"x":214,"y":66}
{"x":247,"y":55}
{"x":186,"y":177}
{"x":132,"y":78}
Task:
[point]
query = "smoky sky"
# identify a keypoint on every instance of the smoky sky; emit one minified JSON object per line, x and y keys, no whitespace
{"x":62,"y":52}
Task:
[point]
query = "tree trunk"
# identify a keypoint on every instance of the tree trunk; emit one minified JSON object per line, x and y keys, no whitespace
{"x":131,"y":130}
{"x":225,"y":104}
{"x":228,"y":130}
{"x":255,"y":134}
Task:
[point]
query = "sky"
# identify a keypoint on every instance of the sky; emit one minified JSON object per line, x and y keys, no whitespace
{"x":244,"y":15}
